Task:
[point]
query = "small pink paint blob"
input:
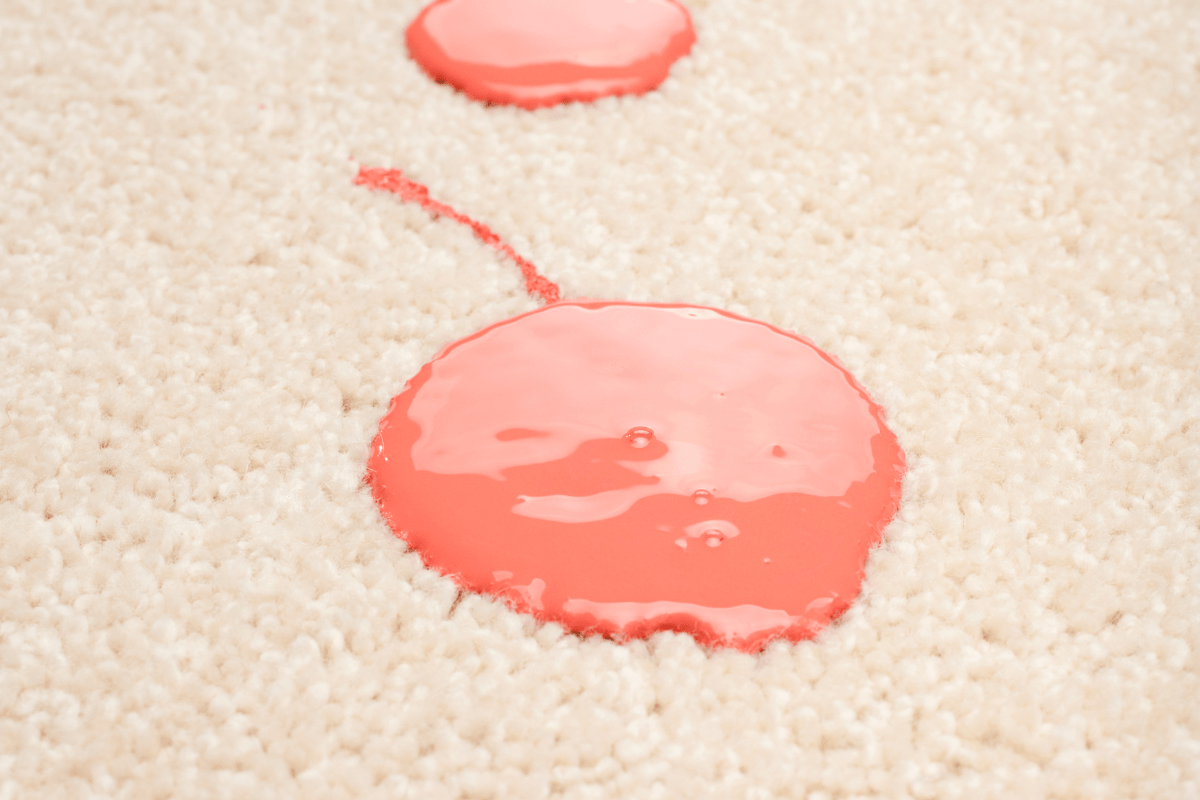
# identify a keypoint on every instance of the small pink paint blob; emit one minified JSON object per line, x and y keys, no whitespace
{"x":534,"y":53}
{"x":624,"y":468}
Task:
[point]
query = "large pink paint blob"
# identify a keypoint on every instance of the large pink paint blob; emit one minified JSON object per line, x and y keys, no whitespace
{"x":533,"y":53}
{"x":625,"y":468}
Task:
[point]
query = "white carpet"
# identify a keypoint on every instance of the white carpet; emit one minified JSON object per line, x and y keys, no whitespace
{"x":989,"y":211}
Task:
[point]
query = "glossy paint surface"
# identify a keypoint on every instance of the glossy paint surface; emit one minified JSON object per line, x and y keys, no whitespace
{"x":535,"y":53}
{"x":626,"y":468}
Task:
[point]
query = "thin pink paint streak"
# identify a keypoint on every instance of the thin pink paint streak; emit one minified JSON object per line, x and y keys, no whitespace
{"x":408,"y":190}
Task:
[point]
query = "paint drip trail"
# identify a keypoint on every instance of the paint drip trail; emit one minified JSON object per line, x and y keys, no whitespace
{"x":408,"y":190}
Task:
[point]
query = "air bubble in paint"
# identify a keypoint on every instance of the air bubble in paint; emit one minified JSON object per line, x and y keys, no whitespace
{"x":639,"y":437}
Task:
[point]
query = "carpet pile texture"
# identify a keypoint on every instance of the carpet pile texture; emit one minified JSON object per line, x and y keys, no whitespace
{"x":988,"y":211}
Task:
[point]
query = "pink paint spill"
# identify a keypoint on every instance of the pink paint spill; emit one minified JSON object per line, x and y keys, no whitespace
{"x":626,"y":468}
{"x":393,"y":180}
{"x":533,"y":53}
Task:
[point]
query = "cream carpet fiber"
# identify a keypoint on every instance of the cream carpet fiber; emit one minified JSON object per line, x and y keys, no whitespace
{"x":987,"y":210}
